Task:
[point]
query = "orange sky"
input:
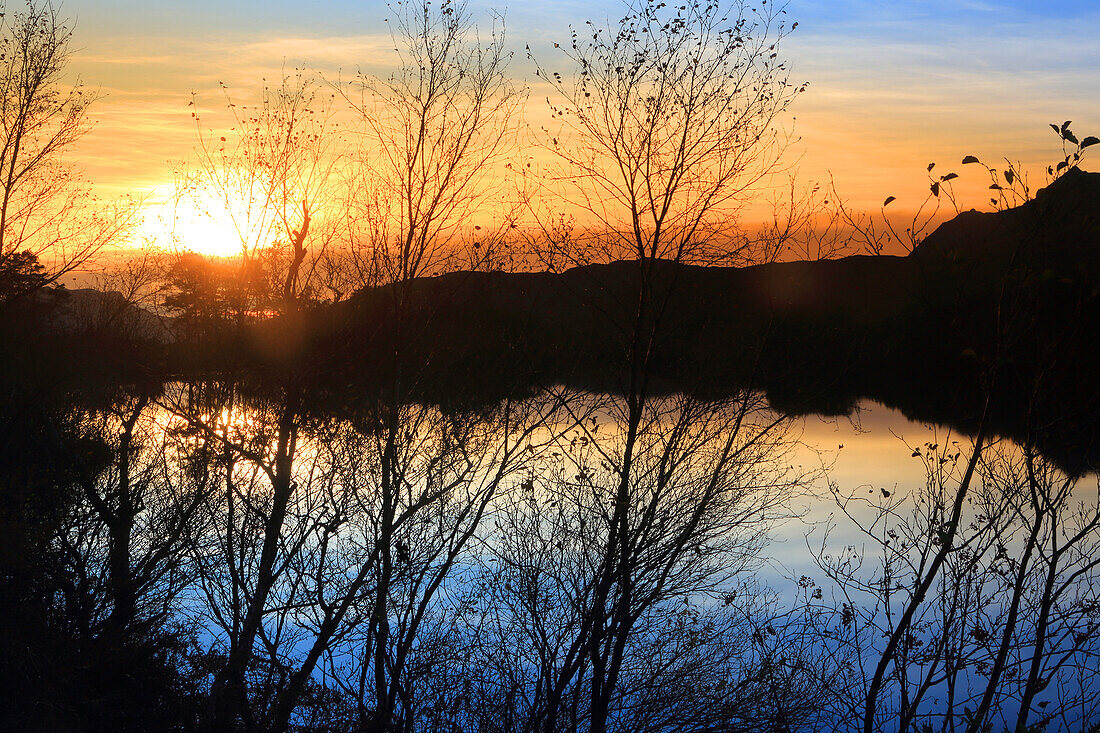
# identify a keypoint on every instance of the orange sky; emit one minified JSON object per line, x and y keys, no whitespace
{"x":892,"y":86}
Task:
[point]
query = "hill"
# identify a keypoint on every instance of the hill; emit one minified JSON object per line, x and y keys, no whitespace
{"x":1003,"y":303}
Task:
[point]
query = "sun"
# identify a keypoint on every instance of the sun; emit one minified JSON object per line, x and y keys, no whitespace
{"x":198,"y":221}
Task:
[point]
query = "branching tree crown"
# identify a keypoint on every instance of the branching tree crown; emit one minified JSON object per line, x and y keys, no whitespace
{"x":271,"y":175}
{"x":49,"y":224}
{"x":434,"y":131}
{"x":668,"y":118}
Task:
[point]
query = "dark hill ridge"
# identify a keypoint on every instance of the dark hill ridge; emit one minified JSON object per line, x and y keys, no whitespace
{"x":1010,"y":297}
{"x":1061,"y":223}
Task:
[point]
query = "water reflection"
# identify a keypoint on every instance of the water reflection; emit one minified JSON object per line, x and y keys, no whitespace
{"x":406,"y":561}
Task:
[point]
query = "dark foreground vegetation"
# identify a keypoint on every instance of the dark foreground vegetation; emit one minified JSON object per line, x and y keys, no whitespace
{"x":404,"y":471}
{"x":1012,"y":293}
{"x":424,"y":482}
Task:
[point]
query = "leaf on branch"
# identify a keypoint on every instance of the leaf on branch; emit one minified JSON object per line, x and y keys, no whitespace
{"x":1090,"y":140}
{"x":970,"y":159}
{"x":888,"y":200}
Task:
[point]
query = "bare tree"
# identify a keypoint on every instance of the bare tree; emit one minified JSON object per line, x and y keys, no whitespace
{"x":807,"y":224}
{"x":615,"y":564}
{"x":272,"y":177}
{"x":668,"y":119}
{"x":138,"y":516}
{"x":665,"y":121}
{"x":307,"y":552}
{"x":435,"y":135}
{"x":49,"y":223}
{"x":418,"y":505}
{"x":992,"y":624}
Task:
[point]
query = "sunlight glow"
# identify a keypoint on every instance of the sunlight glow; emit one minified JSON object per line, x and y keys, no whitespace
{"x":198,"y":222}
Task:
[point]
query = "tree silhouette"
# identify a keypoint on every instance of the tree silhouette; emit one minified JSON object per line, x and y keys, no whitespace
{"x":49,"y":223}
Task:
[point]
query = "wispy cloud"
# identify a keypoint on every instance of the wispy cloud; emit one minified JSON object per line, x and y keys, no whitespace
{"x":894,"y":88}
{"x":892,"y":84}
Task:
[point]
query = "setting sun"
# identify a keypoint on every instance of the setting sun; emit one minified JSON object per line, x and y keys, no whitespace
{"x":613,"y":365}
{"x":195,"y":221}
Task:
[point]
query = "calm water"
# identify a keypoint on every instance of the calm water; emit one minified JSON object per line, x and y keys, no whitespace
{"x":859,"y":455}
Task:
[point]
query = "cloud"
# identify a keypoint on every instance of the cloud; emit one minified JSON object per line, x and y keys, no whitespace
{"x":333,"y":52}
{"x":892,"y":84}
{"x":980,"y":7}
{"x":894,"y":89}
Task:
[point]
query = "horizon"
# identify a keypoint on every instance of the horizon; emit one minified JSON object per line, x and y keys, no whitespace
{"x":455,"y":381}
{"x":891,"y":87}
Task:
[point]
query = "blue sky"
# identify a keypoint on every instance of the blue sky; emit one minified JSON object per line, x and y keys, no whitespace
{"x":893,"y":85}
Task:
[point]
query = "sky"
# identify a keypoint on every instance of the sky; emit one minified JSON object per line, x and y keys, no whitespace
{"x":892,"y":84}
